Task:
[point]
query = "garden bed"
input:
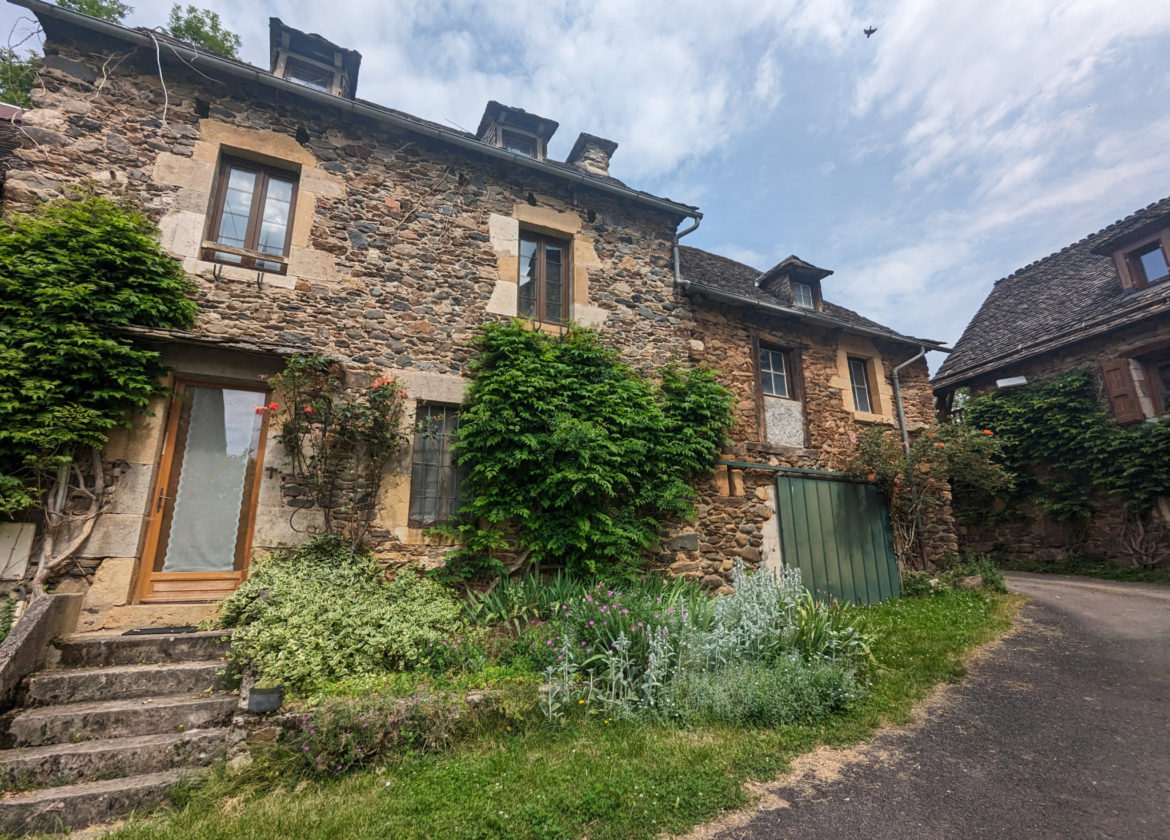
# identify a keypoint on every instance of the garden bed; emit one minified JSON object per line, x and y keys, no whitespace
{"x":514,"y":773}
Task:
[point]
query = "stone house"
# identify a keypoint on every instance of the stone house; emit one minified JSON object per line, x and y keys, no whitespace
{"x":1101,"y":304}
{"x":312,"y":220}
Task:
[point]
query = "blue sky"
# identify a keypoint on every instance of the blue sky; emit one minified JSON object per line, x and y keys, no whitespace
{"x":962,"y":141}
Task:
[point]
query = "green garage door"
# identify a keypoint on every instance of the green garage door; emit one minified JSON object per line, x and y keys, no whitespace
{"x":838,"y":533}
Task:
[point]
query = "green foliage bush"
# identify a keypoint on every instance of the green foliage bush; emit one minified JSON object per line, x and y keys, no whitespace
{"x":17,"y":75}
{"x":323,"y":612}
{"x":339,"y":442}
{"x":343,"y":734}
{"x":940,"y":459}
{"x":573,"y":456}
{"x":771,"y":693}
{"x":72,"y":274}
{"x":916,"y":584}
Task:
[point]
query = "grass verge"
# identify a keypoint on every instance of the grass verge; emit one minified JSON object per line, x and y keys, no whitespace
{"x":588,"y":778}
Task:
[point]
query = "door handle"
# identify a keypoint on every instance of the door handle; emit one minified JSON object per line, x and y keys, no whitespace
{"x":162,"y":497}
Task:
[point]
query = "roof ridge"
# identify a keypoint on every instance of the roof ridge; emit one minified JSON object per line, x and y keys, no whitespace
{"x":1083,"y":239}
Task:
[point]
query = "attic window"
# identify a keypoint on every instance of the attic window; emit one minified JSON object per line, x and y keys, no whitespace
{"x":309,"y":75}
{"x":516,"y":141}
{"x":1148,"y":264}
{"x":802,"y":294}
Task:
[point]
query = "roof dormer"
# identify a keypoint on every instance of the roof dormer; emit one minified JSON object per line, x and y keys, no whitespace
{"x":312,"y":61}
{"x":796,"y":281}
{"x":516,"y":130}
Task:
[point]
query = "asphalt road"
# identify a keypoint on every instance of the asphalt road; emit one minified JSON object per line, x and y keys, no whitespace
{"x":1061,"y":731}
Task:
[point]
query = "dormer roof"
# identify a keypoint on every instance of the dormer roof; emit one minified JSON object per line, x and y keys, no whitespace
{"x":285,"y":43}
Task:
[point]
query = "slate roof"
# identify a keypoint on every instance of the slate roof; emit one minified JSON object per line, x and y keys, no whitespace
{"x":704,"y":270}
{"x":1064,"y":298}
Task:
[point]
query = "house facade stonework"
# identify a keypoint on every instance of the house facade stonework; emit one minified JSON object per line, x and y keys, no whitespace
{"x":314,"y":222}
{"x":1100,"y":305}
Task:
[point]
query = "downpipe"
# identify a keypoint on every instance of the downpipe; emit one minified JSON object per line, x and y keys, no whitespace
{"x":678,"y":281}
{"x":898,"y":397}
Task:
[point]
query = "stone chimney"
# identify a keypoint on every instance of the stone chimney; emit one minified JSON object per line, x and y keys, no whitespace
{"x":591,"y":154}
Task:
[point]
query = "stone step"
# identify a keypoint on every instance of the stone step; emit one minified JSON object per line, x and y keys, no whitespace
{"x":98,"y":650}
{"x":76,"y":806}
{"x":93,"y":721}
{"x":119,"y":681}
{"x":58,"y":764}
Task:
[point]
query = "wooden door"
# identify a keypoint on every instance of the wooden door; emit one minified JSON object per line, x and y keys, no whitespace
{"x":199,"y":531}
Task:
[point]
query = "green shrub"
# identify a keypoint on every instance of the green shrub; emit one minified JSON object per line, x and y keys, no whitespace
{"x":968,"y":564}
{"x":574,"y":456}
{"x":782,"y":691}
{"x":832,"y":630}
{"x":322,"y":612}
{"x":917,"y":585}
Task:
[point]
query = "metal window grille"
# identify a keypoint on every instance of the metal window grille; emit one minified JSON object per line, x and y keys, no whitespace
{"x":436,"y":482}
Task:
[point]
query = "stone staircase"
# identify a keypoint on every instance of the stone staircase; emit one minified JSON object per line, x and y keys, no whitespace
{"x":114,"y":723}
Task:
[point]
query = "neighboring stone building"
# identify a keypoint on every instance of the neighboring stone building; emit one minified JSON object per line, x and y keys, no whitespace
{"x":1102,"y":304}
{"x":312,"y":220}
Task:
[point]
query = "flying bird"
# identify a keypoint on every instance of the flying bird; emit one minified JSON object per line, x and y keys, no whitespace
{"x":869,"y":30}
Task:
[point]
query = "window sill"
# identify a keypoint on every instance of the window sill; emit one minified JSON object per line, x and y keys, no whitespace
{"x":776,"y":449}
{"x":867,"y":417}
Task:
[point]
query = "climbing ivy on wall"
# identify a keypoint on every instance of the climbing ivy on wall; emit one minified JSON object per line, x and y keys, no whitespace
{"x":72,"y":275}
{"x":573,"y":456}
{"x":1065,"y":449}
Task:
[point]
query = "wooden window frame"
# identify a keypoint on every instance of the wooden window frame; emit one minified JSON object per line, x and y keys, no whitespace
{"x":450,"y":476}
{"x":1137,"y":270}
{"x":542,"y":240}
{"x":867,"y":384}
{"x":812,"y":295}
{"x":250,"y":257}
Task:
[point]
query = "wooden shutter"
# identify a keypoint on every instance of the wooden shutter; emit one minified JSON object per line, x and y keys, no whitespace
{"x":1122,"y":391}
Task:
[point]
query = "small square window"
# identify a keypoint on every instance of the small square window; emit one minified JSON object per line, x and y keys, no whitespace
{"x":802,"y":293}
{"x":436,"y":481}
{"x":774,"y":373}
{"x":1149,"y":263}
{"x":543,"y":293}
{"x":518,"y":141}
{"x":251,"y":216}
{"x":859,"y":380}
{"x":310,"y":75}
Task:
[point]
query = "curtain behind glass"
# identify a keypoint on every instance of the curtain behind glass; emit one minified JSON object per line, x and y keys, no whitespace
{"x":221,"y":439}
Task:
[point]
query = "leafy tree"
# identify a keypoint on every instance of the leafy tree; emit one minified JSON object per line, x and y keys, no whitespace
{"x":573,"y":456}
{"x":17,"y":75}
{"x":111,"y":10}
{"x":72,"y":275}
{"x":203,"y":28}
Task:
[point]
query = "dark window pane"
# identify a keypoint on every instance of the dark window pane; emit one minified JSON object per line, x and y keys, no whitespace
{"x":553,"y":283}
{"x":859,"y":379}
{"x":436,"y":482}
{"x":525,"y":144}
